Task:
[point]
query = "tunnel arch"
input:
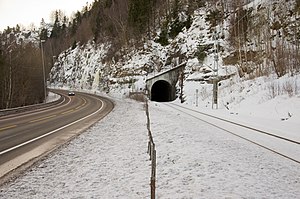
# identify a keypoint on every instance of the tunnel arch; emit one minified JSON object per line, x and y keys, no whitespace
{"x":161,"y":91}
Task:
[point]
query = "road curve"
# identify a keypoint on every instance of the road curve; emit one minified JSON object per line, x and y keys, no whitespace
{"x":27,"y":136}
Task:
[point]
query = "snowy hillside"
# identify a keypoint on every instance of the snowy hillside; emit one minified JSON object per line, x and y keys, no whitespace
{"x":87,"y":67}
{"x":24,"y":36}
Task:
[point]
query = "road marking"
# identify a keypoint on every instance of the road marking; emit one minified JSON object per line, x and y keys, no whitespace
{"x":51,"y":132}
{"x":7,"y":127}
{"x":41,"y":119}
{"x":78,"y":107}
{"x":84,"y":103}
{"x":66,"y":112}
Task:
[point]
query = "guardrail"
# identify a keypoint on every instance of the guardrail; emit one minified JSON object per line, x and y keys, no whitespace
{"x":152,"y":153}
{"x":5,"y":112}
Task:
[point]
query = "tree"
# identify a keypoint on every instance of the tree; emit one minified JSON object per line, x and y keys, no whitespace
{"x":3,"y":77}
{"x":297,"y":6}
{"x":56,"y":30}
{"x":20,"y":73}
{"x":164,"y":36}
{"x":139,"y":15}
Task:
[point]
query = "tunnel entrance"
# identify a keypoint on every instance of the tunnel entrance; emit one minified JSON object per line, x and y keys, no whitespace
{"x":161,"y":91}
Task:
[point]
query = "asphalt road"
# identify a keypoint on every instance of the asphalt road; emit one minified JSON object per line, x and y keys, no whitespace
{"x":28,"y":136}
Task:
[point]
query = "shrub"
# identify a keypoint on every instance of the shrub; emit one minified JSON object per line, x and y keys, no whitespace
{"x":202,"y":51}
{"x":176,"y":28}
{"x":289,"y":87}
{"x":163,"y":38}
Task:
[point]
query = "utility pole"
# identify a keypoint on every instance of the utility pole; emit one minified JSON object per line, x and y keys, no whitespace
{"x":215,"y":74}
{"x":181,"y":78}
{"x":8,"y":102}
{"x":44,"y":76}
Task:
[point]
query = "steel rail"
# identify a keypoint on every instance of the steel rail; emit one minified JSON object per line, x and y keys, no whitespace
{"x":241,"y":125}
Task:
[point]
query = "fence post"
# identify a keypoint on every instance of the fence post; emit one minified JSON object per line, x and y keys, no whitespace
{"x":152,"y":154}
{"x":153,"y":174}
{"x":149,"y":147}
{"x":150,"y":150}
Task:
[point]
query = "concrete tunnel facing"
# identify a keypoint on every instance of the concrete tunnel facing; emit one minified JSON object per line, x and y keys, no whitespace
{"x":162,"y":87}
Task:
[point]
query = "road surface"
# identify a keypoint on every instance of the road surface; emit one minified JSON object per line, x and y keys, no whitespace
{"x":26,"y":137}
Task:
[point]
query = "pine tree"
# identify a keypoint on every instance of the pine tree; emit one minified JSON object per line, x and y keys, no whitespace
{"x":56,"y":27}
{"x":140,"y":14}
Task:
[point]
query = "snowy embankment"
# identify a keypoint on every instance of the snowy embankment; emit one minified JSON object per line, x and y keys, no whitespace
{"x":194,"y":160}
{"x":52,"y":97}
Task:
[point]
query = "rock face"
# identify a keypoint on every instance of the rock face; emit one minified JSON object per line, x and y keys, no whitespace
{"x":223,"y":40}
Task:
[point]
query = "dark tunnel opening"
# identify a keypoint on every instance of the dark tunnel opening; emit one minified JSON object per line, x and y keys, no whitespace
{"x":161,"y":91}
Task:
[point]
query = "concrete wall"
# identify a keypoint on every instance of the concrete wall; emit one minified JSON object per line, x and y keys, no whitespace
{"x":170,"y":77}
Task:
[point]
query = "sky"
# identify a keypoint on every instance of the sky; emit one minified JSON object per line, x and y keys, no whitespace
{"x":13,"y":12}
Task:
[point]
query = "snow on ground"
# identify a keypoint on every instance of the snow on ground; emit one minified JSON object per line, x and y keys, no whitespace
{"x":194,"y":160}
{"x":107,"y":161}
{"x":52,"y":97}
{"x":266,"y":103}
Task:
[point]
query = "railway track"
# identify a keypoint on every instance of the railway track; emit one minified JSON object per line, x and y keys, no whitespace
{"x":280,"y":145}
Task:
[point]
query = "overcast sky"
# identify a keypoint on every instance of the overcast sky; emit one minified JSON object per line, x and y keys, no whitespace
{"x":25,"y":12}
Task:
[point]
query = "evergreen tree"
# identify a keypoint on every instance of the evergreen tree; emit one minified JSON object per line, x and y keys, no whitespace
{"x":18,"y":29}
{"x":44,"y":34}
{"x":140,"y":14}
{"x":56,"y":27}
{"x":175,"y":10}
{"x":297,"y":6}
{"x":164,"y":35}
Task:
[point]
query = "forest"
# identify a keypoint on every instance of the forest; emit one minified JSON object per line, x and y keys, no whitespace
{"x":261,"y":39}
{"x":21,"y":74}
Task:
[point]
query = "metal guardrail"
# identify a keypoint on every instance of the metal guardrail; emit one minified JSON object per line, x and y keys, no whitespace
{"x":5,"y":112}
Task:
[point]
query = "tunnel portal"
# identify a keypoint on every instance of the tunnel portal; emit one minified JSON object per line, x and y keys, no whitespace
{"x":161,"y":91}
{"x":162,"y":87}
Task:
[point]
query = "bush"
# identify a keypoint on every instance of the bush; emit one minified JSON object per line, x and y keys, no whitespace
{"x":163,"y":38}
{"x":138,"y":96}
{"x":202,"y":51}
{"x":214,"y":17}
{"x":176,"y":28}
{"x":288,"y":87}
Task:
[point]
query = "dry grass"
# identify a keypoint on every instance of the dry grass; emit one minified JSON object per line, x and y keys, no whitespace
{"x":288,"y":87}
{"x":138,"y":96}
